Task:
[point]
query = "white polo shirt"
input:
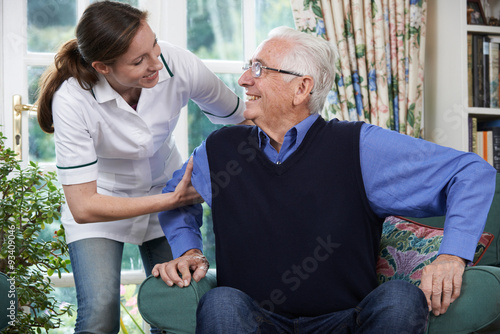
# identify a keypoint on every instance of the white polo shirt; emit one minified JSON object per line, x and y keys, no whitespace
{"x":131,"y":153}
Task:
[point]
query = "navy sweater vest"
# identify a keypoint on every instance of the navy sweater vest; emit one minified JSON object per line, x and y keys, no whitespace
{"x":298,"y":237}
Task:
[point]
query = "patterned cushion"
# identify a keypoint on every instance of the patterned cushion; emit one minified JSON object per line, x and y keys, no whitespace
{"x":407,"y":247}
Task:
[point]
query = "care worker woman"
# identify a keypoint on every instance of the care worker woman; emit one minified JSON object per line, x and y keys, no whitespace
{"x":112,"y":100}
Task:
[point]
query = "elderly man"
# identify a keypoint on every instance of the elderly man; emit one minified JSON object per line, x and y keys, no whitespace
{"x":298,"y":205}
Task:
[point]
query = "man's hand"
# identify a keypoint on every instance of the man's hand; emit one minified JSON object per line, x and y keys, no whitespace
{"x":193,"y":260}
{"x":441,"y":282}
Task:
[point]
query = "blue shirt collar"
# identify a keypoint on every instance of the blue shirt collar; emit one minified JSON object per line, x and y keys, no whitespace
{"x":299,"y":131}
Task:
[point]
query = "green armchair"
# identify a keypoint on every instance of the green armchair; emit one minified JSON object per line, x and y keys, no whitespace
{"x":477,"y":310}
{"x":173,"y":309}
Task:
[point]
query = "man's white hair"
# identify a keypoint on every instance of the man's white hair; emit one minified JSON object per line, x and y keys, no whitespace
{"x":309,"y":55}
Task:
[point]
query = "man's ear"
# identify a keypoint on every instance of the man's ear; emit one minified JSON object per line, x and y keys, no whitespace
{"x":100,"y":67}
{"x":304,"y":89}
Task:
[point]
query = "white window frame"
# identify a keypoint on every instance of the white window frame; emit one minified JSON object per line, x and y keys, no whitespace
{"x":166,"y":20}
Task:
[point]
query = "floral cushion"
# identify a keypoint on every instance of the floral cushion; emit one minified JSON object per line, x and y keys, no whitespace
{"x":407,"y":247}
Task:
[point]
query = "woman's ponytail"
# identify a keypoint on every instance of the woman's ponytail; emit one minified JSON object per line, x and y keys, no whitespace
{"x":68,"y":63}
{"x":103,"y":34}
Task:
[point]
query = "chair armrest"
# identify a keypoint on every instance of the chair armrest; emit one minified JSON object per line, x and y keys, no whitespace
{"x":172,"y":309}
{"x":477,"y":310}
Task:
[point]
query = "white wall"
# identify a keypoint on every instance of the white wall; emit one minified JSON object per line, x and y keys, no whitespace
{"x":2,"y":79}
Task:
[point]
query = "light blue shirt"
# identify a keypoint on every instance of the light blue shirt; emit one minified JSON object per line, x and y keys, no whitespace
{"x":402,"y":176}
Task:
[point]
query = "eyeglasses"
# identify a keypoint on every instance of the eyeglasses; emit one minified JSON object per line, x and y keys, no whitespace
{"x":257,"y":69}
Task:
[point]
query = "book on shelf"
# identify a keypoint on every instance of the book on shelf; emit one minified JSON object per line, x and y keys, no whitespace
{"x":477,"y":70}
{"x":470,"y":64}
{"x":486,"y":72}
{"x":484,"y":139}
{"x":473,"y":134}
{"x":483,"y":70}
{"x":494,"y":49}
{"x":485,"y":145}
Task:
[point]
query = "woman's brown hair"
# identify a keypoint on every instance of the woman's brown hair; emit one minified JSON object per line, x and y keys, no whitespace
{"x":103,"y":34}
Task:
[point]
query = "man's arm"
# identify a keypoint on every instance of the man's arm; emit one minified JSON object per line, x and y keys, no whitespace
{"x":182,"y":227}
{"x":411,"y":177}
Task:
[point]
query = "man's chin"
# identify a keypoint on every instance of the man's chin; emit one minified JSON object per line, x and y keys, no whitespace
{"x":248,"y":114}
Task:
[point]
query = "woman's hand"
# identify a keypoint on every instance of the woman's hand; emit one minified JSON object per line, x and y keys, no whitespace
{"x":185,"y":193}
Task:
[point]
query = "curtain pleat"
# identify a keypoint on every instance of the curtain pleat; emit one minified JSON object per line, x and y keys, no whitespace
{"x":380,"y":66}
{"x":401,"y":65}
{"x":360,"y":49}
{"x":370,"y":61}
{"x":342,"y":39}
{"x":391,"y":36}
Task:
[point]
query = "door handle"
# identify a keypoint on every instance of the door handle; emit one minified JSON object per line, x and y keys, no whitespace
{"x":17,"y":115}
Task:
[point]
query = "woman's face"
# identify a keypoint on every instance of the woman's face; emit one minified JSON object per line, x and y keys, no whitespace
{"x":139,"y":66}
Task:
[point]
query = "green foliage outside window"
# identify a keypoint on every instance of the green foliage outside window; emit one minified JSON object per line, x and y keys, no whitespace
{"x":50,"y":23}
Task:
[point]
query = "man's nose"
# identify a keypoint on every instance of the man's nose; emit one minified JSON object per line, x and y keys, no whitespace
{"x":246,"y":79}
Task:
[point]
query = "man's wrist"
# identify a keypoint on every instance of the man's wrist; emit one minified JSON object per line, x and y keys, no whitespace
{"x":193,"y":251}
{"x":450,"y":257}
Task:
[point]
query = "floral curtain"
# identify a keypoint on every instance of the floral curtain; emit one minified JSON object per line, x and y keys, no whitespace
{"x":380,"y":68}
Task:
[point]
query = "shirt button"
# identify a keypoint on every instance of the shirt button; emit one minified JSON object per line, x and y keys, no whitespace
{"x":278,"y":162}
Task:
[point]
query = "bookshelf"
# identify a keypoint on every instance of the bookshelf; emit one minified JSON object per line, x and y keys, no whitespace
{"x":446,"y":105}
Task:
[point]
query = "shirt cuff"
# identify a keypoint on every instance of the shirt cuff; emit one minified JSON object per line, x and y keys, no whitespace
{"x":77,"y":175}
{"x":182,"y":243}
{"x":457,"y":244}
{"x":182,"y":228}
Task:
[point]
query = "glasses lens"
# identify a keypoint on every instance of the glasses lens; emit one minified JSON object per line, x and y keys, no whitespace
{"x":256,"y":69}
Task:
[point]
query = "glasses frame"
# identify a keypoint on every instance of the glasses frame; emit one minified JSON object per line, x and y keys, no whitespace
{"x":257,"y":67}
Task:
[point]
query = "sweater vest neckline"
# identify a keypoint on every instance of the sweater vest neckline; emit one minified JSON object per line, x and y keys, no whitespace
{"x":280,"y":168}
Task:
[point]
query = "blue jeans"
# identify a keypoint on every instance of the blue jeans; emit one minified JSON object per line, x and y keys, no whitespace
{"x":96,"y":264}
{"x":395,"y":307}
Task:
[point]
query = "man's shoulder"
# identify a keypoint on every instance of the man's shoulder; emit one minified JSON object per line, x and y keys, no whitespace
{"x":231,"y":131}
{"x":344,"y":123}
{"x":339,"y":127}
{"x":230,"y":138}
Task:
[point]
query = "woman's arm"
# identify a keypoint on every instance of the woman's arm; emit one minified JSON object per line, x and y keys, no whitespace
{"x":88,"y":206}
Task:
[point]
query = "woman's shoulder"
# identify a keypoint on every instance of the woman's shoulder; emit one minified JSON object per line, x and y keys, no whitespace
{"x":71,"y":86}
{"x":168,"y":47}
{"x":175,"y":55}
{"x":71,"y":95}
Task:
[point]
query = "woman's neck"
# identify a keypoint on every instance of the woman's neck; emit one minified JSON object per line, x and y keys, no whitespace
{"x":131,"y":96}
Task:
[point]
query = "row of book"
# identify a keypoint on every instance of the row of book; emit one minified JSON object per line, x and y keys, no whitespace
{"x":484,"y":140}
{"x":483,"y":56}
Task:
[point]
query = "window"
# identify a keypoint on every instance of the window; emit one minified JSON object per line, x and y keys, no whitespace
{"x":224,"y":33}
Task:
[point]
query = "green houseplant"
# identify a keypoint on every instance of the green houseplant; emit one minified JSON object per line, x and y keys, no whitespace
{"x":29,"y":201}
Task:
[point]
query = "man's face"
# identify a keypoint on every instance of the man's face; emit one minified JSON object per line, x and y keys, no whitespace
{"x":269,"y":97}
